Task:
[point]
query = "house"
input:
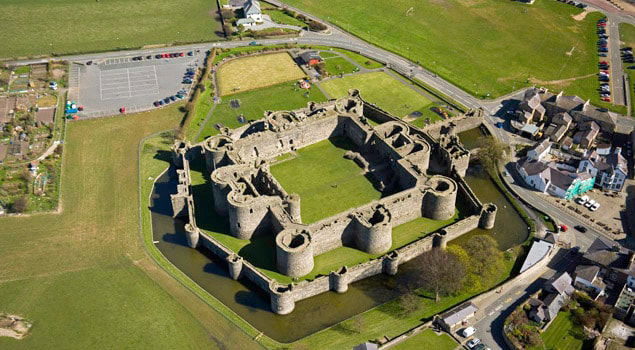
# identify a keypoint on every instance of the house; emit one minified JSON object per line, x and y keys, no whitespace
{"x":547,"y":178}
{"x":560,"y":284}
{"x":562,"y":118}
{"x":539,"y":250}
{"x":245,"y":22}
{"x":615,"y":261}
{"x":366,"y":346}
{"x":625,"y":305}
{"x":547,"y":309}
{"x":587,"y":132}
{"x":603,"y":149}
{"x":252,"y":10}
{"x":610,"y":171}
{"x":457,"y":317}
{"x":310,"y":58}
{"x":531,"y":109}
{"x":540,"y":150}
{"x":555,"y":132}
{"x":587,"y":279}
{"x":530,"y":130}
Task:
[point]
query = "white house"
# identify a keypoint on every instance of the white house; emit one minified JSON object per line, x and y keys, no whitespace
{"x":252,"y":10}
{"x":547,"y":178}
{"x":540,"y":150}
{"x":610,"y":170}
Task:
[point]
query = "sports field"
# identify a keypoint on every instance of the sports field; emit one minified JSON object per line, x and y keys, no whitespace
{"x":252,"y":105}
{"x":485,"y":47}
{"x":44,"y":27}
{"x":381,"y":89}
{"x":249,"y":73}
{"x":82,"y":276}
{"x":326,"y":182}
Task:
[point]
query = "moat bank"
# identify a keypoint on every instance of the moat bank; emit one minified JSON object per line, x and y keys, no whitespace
{"x":318,"y":312}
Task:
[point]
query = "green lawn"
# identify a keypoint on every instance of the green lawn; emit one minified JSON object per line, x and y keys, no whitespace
{"x":43,"y":27}
{"x":282,"y":18}
{"x":381,"y":89}
{"x":203,"y":106}
{"x":326,"y":182}
{"x":253,"y":104}
{"x":485,"y":47}
{"x":360,"y":59}
{"x":428,"y":339}
{"x":562,"y":333}
{"x":83,"y":276}
{"x":627,"y":36}
{"x":338,"y":65}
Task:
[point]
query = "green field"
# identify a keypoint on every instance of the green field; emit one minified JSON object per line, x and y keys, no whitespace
{"x":338,"y":65}
{"x":428,"y":339}
{"x":381,"y":89}
{"x":44,"y":27}
{"x":627,"y":36}
{"x":562,"y":333}
{"x":253,"y":104}
{"x":83,"y":276}
{"x":485,"y":47}
{"x":326,"y":182}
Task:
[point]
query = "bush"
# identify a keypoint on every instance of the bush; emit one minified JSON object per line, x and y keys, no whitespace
{"x":20,"y":204}
{"x":316,"y":26}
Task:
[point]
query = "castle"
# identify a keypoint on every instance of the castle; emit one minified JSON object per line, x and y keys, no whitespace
{"x":394,"y":154}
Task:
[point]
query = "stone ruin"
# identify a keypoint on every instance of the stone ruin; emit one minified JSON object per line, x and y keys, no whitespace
{"x":394,"y":154}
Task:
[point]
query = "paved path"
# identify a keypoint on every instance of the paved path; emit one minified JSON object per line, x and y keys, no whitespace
{"x":617,"y":72}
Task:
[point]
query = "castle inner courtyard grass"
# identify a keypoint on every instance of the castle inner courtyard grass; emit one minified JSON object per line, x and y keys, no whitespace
{"x":326,"y":182}
{"x":249,"y":73}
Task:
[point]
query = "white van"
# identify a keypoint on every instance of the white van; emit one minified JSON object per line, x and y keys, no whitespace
{"x":467,"y":332}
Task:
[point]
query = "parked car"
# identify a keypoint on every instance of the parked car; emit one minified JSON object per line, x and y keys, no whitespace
{"x":191,"y":53}
{"x":166,"y":100}
{"x":563,"y":228}
{"x":156,"y":103}
{"x":589,"y":203}
{"x":253,"y":43}
{"x":148,"y":57}
{"x":482,"y":346}
{"x":606,"y":99}
{"x":582,"y":200}
{"x":468,"y":331}
{"x":473,"y":343}
{"x":595,"y":206}
{"x":172,"y":98}
{"x":580,"y":228}
{"x":603,"y":55}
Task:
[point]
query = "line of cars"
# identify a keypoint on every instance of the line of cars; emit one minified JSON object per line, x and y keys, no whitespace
{"x":604,"y":75}
{"x":163,"y":55}
{"x":188,"y":79}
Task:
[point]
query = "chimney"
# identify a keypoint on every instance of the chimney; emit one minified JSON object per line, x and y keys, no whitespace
{"x":559,"y":95}
{"x":586,"y":104}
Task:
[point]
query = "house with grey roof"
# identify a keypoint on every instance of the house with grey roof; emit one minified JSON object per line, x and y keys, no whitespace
{"x":531,"y":109}
{"x":539,"y":150}
{"x":563,"y":118}
{"x":252,"y":10}
{"x":587,"y":132}
{"x":451,"y":320}
{"x":560,"y":284}
{"x":539,"y":250}
{"x":610,"y":170}
{"x":548,"y":178}
{"x":615,"y":261}
{"x":587,"y":278}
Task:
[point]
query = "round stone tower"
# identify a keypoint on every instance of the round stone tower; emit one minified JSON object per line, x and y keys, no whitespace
{"x":235,"y":265}
{"x":374,"y":233}
{"x":192,"y":234}
{"x":390,"y":264}
{"x":215,"y":149}
{"x":439,"y":202}
{"x":488,"y":216}
{"x":339,"y":280}
{"x":179,"y":148}
{"x":440,"y":239}
{"x":282,"y":302}
{"x":220,"y":189}
{"x":294,"y":252}
{"x":246,"y":214}
{"x":293,"y":203}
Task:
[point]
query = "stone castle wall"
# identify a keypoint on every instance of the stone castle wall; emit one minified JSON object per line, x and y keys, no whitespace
{"x":256,"y":203}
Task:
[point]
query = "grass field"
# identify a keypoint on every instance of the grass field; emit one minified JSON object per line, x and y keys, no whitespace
{"x":381,"y":89}
{"x":249,"y":73}
{"x":44,"y":27}
{"x":326,"y":182}
{"x":627,"y":36}
{"x":82,"y":276}
{"x":563,"y":334}
{"x":428,"y":339}
{"x":253,"y":104}
{"x":338,"y":65}
{"x":485,"y":47}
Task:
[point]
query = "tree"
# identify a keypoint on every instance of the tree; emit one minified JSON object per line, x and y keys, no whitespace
{"x":491,"y":152}
{"x":440,"y":272}
{"x":486,"y":260}
{"x":409,"y":302}
{"x":20,"y":204}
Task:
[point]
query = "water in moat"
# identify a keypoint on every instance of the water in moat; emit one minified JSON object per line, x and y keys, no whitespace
{"x":316,"y":313}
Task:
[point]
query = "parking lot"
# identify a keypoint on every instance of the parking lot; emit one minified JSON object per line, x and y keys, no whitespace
{"x":104,"y":87}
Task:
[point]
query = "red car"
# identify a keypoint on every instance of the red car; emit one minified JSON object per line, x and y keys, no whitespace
{"x":181,"y":54}
{"x":166,"y":55}
{"x":122,"y":110}
{"x":603,"y":62}
{"x":564,"y":228}
{"x":606,"y":99}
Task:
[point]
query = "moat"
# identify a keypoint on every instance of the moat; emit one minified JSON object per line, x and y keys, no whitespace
{"x":320,"y":311}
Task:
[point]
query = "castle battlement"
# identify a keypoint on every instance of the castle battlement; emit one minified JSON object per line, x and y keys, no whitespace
{"x":394,"y":154}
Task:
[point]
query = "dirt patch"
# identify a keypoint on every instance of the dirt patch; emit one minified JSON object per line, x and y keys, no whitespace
{"x":14,"y":326}
{"x":57,"y":73}
{"x":561,"y":82}
{"x":581,"y":16}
